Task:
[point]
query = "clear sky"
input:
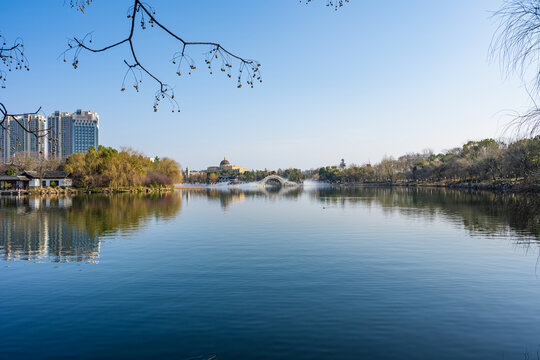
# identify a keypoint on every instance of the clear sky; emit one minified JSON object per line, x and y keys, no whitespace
{"x":372,"y":79}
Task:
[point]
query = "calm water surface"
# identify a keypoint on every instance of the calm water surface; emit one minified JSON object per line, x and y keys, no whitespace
{"x":312,"y":274}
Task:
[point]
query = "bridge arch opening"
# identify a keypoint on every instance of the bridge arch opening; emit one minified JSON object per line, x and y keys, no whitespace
{"x":276,"y":180}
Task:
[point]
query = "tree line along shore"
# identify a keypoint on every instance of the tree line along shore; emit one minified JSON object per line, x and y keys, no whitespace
{"x":104,"y":170}
{"x":486,"y":164}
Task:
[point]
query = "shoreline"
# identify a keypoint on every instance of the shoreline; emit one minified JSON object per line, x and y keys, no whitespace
{"x":78,"y":191}
{"x":504,"y":187}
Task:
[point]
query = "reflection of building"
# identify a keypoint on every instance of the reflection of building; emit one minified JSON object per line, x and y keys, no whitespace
{"x":23,"y":237}
{"x":224,"y":165}
{"x":227,"y":199}
{"x":36,"y":203}
{"x":37,"y":228}
{"x":68,"y":243}
{"x":64,"y":229}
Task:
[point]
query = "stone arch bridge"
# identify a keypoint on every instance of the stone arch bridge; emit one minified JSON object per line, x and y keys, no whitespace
{"x":278,"y":180}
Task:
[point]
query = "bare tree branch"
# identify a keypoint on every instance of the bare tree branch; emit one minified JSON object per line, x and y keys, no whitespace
{"x":143,"y":14}
{"x":516,"y":43}
{"x":5,"y":116}
{"x":79,"y":5}
{"x":524,"y":124}
{"x":336,"y":4}
{"x":11,"y":58}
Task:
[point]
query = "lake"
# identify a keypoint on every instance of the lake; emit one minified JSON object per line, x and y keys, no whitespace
{"x":314,"y":273}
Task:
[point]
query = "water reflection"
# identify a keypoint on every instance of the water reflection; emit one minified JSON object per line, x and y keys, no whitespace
{"x":64,"y":229}
{"x":103,"y":215}
{"x":479,"y":212}
{"x":315,"y":273}
{"x":230,"y":196}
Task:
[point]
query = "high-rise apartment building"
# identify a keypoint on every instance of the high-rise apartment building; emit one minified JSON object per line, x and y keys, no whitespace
{"x":69,"y":133}
{"x":60,"y":136}
{"x":85,"y":130}
{"x":72,"y":132}
{"x":16,"y":140}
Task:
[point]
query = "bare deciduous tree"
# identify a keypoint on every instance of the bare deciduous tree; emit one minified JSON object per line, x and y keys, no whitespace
{"x":143,"y":15}
{"x":12,"y":58}
{"x":79,"y":5}
{"x":336,"y":4}
{"x":516,"y":44}
{"x":29,"y":160}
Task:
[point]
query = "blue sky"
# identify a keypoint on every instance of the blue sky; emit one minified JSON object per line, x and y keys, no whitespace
{"x":372,"y":79}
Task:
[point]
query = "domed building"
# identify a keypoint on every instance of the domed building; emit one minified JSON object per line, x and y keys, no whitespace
{"x":224,"y":162}
{"x":225,"y":165}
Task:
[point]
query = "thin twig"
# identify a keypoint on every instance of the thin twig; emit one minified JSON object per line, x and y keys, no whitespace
{"x":139,"y":12}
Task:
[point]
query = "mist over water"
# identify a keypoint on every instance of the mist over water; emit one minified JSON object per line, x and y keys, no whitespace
{"x":248,"y":272}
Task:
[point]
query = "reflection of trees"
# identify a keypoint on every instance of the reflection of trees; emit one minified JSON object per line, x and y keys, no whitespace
{"x":68,"y":229}
{"x":100,"y":215}
{"x":230,"y":195}
{"x":484,"y":212}
{"x":226,"y":198}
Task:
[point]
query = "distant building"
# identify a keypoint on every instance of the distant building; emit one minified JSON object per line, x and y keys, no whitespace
{"x":69,"y":133}
{"x":72,"y":133}
{"x":225,"y":165}
{"x":16,"y":140}
{"x":85,"y":131}
{"x":60,"y":138}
